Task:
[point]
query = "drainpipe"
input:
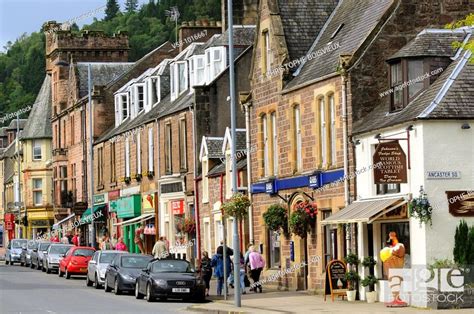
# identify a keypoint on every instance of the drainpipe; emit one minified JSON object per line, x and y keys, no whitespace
{"x":249,"y":169}
{"x":196,"y":194}
{"x":346,"y":154}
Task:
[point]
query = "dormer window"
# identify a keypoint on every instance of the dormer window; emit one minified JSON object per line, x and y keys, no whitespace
{"x":182,"y":77}
{"x":124,"y":106}
{"x":215,"y":62}
{"x":141,"y":98}
{"x":154,"y":90}
{"x":179,"y":79}
{"x":407,"y":80}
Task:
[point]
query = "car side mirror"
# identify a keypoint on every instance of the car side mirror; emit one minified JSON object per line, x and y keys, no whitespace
{"x":45,"y":252}
{"x":35,"y":250}
{"x":23,"y":247}
{"x":145,"y":270}
{"x":62,"y":255}
{"x":92,"y":262}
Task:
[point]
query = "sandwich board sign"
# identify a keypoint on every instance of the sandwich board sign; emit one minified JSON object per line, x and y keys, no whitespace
{"x":336,"y":283}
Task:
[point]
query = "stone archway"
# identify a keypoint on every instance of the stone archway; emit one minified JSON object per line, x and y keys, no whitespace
{"x":300,"y":247}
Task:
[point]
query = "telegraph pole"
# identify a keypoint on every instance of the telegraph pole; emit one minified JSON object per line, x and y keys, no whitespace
{"x":233,"y":122}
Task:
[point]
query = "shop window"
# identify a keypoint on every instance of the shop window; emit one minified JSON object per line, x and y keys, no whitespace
{"x":37,"y":154}
{"x":274,"y":249}
{"x":330,"y":240}
{"x":38,"y":191}
{"x":390,"y":188}
{"x":402,"y":229}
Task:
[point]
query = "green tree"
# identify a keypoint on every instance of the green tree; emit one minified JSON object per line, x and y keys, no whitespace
{"x":111,"y":10}
{"x":460,"y":243}
{"x":131,"y":5}
{"x":469,"y":45}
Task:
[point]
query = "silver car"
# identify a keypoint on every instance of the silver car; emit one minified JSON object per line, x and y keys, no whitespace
{"x":98,"y":266}
{"x":25,"y":258}
{"x":51,"y":257}
{"x":14,"y":249}
{"x":37,"y":254}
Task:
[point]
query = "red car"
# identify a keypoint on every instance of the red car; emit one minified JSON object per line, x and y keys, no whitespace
{"x":75,"y":261}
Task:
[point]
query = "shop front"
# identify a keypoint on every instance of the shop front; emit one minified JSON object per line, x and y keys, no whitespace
{"x":97,"y":216}
{"x":115,"y":231}
{"x":40,"y":222}
{"x":149,"y":209}
{"x":129,"y":210}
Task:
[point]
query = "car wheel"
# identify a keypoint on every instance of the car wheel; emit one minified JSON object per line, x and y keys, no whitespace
{"x":38,"y":266}
{"x":117,"y":290}
{"x":48,"y":271}
{"x":60,"y":273}
{"x":149,"y":293}
{"x":88,"y":282}
{"x":201,"y":298}
{"x":31,"y":265}
{"x":22,"y":263}
{"x":6,"y":262}
{"x":138,"y":295}
{"x":67,"y":275}
{"x":106,"y":286}
{"x":96,"y":282}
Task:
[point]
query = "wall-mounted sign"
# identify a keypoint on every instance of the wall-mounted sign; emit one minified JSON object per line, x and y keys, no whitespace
{"x":461,"y":203}
{"x":270,"y":187}
{"x":336,"y":283}
{"x":391,"y":163}
{"x":114,"y":195}
{"x":400,"y":212}
{"x":177,"y":207}
{"x":148,"y":203}
{"x":313,"y":181}
{"x":431,"y":175}
{"x":100,"y":199}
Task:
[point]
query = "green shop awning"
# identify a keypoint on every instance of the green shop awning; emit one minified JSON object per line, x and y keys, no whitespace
{"x":129,"y":206}
{"x":87,"y":216}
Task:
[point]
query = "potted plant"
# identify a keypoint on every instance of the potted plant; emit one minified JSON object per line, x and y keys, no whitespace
{"x":237,"y":206}
{"x":190,"y":226}
{"x":369,"y":282}
{"x":299,"y":224}
{"x":352,"y":277}
{"x":276,"y":218}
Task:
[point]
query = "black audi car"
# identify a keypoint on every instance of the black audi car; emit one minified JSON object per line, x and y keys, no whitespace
{"x":123,"y":271}
{"x":170,"y":278}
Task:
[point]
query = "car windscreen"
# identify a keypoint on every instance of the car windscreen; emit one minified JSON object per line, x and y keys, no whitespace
{"x":83,"y":252}
{"x":58,"y":249}
{"x":32,"y":245}
{"x":107,"y":258}
{"x":17,"y":244}
{"x":171,"y":266}
{"x":135,"y":261}
{"x":44,"y":246}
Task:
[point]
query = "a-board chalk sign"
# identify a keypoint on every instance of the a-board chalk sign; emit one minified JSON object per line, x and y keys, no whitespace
{"x":336,"y":283}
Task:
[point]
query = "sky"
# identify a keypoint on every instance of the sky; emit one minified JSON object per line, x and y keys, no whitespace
{"x":27,"y":16}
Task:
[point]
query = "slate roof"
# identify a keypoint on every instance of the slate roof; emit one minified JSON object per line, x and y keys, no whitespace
{"x":457,"y":102}
{"x":12,"y":125}
{"x":9,"y":164}
{"x":431,"y":42}
{"x":3,"y":131}
{"x":241,"y":140}
{"x":243,"y":36}
{"x":39,"y":120}
{"x":220,"y":167}
{"x":358,"y":20}
{"x":214,"y":147}
{"x":101,"y":72}
{"x":302,"y":20}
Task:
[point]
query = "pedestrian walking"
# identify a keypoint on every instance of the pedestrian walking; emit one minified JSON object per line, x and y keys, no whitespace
{"x":257,"y":263}
{"x":121,"y":246}
{"x":64,"y":239}
{"x":76,"y":238}
{"x":206,"y":270}
{"x":138,"y":238}
{"x":242,"y":274}
{"x":55,"y":238}
{"x":217,"y":263}
{"x":159,"y":249}
{"x":106,"y":245}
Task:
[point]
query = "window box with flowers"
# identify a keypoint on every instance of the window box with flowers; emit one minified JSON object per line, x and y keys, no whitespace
{"x":420,"y":208}
{"x":237,"y":206}
{"x":303,"y":218}
{"x":189,"y":226}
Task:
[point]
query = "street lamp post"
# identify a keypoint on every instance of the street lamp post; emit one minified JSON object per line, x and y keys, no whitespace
{"x":91,"y":152}
{"x":18,"y":176}
{"x":233,"y":122}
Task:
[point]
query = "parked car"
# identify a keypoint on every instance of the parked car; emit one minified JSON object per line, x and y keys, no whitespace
{"x":13,"y":251}
{"x":53,"y":255}
{"x":25,"y":257}
{"x":98,"y":266}
{"x":170,"y":278}
{"x":37,"y":254}
{"x":123,"y":272}
{"x":75,"y":261}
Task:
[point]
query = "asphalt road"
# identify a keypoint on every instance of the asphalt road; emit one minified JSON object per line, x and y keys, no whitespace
{"x":24,"y":290}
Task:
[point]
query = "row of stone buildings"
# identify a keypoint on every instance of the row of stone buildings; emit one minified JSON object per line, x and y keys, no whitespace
{"x":311,"y":77}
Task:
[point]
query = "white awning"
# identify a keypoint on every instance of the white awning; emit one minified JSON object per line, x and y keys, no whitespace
{"x":364,"y":211}
{"x":135,"y":220}
{"x":56,"y":225}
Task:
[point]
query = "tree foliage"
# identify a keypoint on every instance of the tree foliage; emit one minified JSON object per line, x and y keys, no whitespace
{"x":111,"y":10}
{"x":22,"y":66}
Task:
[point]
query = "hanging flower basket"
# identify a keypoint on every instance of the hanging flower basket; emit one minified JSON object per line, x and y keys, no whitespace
{"x":237,"y":206}
{"x":276,"y":218}
{"x":189,"y":226}
{"x":303,"y":218}
{"x":421,"y":209}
